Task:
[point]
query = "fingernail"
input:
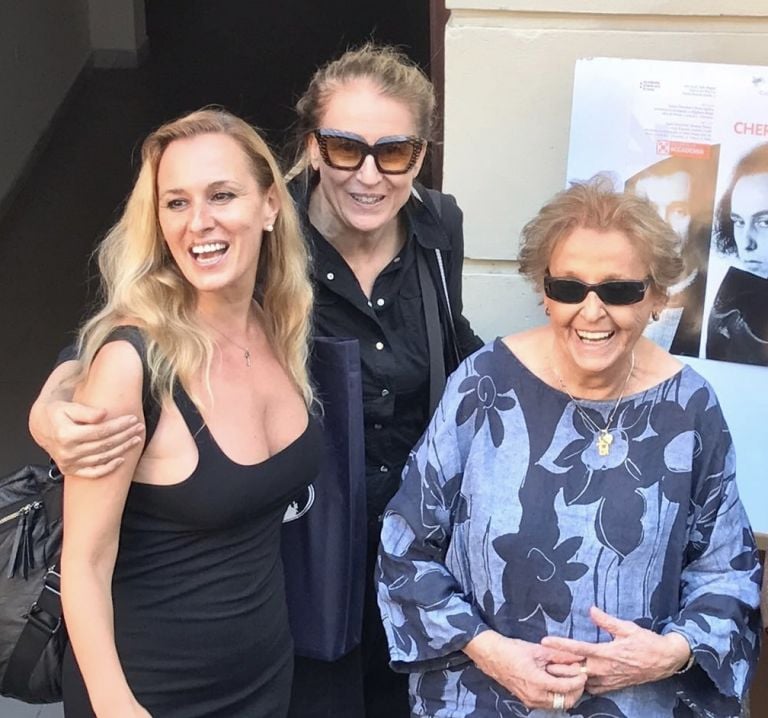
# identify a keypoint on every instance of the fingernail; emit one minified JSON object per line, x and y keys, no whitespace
{"x":132,"y":419}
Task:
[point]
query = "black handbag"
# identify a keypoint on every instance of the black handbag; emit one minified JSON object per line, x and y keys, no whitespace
{"x":32,"y":635}
{"x":324,"y":533}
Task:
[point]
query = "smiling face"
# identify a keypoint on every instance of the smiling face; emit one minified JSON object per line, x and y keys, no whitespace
{"x":593,"y":341}
{"x":749,"y":214}
{"x":364,"y":200}
{"x":212,"y":212}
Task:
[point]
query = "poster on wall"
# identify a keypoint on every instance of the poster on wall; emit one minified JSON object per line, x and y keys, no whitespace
{"x":693,"y":139}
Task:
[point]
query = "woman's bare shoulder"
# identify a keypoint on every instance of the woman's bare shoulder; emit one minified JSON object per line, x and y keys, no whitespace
{"x":532,"y":347}
{"x":114,"y":378}
{"x":654,"y":365}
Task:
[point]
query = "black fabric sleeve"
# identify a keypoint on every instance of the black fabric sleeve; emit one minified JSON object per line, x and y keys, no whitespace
{"x":68,"y":353}
{"x":453,"y":219}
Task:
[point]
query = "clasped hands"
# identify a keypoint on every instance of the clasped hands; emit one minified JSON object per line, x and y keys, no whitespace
{"x":540,"y":674}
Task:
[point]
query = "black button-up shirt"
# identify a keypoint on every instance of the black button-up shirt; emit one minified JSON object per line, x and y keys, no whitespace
{"x":390,"y":328}
{"x":393,"y":354}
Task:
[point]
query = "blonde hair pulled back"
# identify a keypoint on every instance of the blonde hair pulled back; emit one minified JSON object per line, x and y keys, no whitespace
{"x":392,"y":72}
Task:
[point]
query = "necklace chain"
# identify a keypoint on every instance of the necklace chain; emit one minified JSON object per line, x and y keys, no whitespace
{"x":245,"y":350}
{"x":603,"y":436}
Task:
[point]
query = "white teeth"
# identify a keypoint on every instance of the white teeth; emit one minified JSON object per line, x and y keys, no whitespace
{"x":366,"y":198}
{"x":210,"y":247}
{"x":594,"y":336}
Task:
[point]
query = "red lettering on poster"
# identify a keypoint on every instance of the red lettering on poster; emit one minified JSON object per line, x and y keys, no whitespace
{"x":757,"y":129}
{"x":683,"y":149}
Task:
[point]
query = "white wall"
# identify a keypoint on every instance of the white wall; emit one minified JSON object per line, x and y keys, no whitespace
{"x":509,"y":75}
{"x":43,"y":47}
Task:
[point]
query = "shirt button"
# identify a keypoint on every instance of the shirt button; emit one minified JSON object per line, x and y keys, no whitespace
{"x":379,"y":345}
{"x":370,"y":303}
{"x":378,"y":427}
{"x":330,"y":276}
{"x":383,"y":469}
{"x":379,"y":302}
{"x":385,"y":392}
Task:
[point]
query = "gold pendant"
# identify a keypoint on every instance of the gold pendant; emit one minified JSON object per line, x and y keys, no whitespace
{"x":604,"y":441}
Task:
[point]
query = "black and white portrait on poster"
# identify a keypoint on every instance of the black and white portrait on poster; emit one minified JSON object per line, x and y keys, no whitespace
{"x":693,"y":139}
{"x":737,"y":327}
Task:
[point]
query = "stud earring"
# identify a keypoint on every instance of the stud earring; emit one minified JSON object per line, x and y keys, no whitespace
{"x":269,"y":227}
{"x":546,"y":309}
{"x":655,"y":316}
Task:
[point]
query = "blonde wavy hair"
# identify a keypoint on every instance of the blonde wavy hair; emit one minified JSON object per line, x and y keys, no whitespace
{"x":140,"y":282}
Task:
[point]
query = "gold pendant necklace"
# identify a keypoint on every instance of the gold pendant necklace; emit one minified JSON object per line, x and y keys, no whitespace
{"x":245,"y":350}
{"x":603,"y":436}
{"x":604,"y":441}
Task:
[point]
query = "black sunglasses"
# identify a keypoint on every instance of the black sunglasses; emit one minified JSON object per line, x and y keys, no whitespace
{"x":616,"y":292}
{"x":347,"y":151}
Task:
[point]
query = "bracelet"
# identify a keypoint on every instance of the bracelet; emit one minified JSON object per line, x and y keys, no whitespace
{"x":688,"y":665}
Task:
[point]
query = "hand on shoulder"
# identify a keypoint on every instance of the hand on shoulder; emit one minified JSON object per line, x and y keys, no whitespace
{"x":91,"y":442}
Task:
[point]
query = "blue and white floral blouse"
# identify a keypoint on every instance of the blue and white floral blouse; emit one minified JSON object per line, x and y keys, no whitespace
{"x":508,"y":518}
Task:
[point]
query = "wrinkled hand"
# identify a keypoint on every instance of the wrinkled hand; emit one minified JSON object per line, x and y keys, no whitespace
{"x":634,"y":656}
{"x":82,"y":442}
{"x":520,"y":667}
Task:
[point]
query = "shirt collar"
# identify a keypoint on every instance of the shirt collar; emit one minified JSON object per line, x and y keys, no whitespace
{"x":427,"y":229}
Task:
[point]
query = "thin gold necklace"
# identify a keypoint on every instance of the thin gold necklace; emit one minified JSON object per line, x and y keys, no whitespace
{"x":603,"y":436}
{"x":245,"y":350}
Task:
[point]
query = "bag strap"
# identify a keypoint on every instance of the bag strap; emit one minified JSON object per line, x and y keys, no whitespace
{"x":434,"y":333}
{"x":44,"y":621}
{"x":438,"y":207}
{"x":435,"y":208}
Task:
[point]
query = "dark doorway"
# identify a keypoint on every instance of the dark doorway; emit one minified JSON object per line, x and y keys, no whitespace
{"x":255,"y":58}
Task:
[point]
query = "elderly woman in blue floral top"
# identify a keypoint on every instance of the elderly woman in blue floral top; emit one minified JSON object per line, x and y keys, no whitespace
{"x":568,"y":537}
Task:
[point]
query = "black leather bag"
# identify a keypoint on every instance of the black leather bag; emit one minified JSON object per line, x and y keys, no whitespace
{"x":32,"y":635}
{"x":324,"y":533}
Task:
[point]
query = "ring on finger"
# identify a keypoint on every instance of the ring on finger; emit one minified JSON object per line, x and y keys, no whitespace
{"x":583,"y":668}
{"x":558,"y":702}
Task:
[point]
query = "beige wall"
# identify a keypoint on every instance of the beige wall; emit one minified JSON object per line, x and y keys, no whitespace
{"x":43,"y":47}
{"x":509,"y":78}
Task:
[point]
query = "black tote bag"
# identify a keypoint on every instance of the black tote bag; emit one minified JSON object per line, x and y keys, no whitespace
{"x":323,"y":537}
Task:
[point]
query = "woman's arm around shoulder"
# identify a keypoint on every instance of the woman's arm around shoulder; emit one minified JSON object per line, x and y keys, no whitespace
{"x":92,"y":515}
{"x":79,"y":437}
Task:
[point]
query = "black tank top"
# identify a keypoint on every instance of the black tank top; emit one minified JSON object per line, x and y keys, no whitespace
{"x":198,"y":593}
